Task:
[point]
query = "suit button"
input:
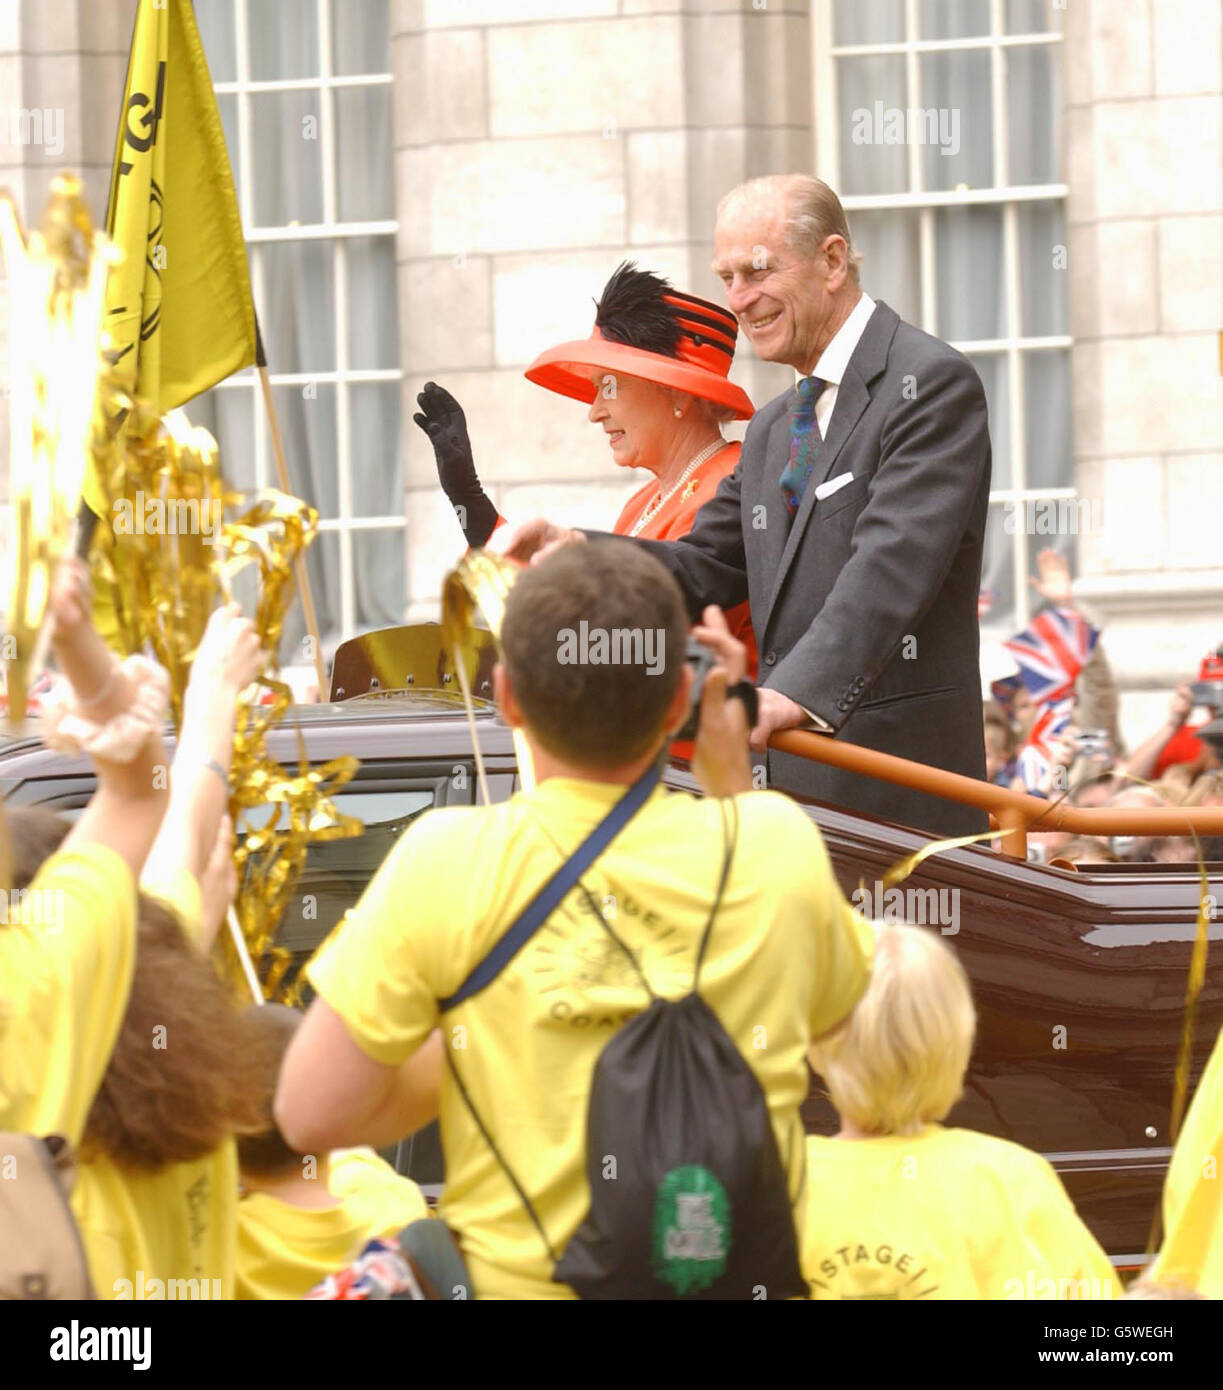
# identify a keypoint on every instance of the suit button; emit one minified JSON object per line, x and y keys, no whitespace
{"x":771,"y":659}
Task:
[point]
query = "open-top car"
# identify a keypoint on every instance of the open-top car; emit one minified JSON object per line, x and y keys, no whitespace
{"x":1080,"y":976}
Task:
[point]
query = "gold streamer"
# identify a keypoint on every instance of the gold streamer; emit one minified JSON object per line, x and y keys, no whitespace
{"x":171,"y":552}
{"x":56,"y":292}
{"x":481,"y":581}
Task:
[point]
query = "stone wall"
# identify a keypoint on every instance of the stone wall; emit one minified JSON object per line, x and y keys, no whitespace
{"x":539,"y":143}
{"x":1145,"y":160}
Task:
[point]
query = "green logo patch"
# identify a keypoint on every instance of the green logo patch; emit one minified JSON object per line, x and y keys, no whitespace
{"x":692,"y":1232}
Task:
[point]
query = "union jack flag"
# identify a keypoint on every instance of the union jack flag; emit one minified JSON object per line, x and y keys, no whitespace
{"x":1051,"y":652}
{"x":1036,"y":752}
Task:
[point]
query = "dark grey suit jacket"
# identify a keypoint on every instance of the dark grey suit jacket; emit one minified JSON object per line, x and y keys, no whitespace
{"x":865,"y":608}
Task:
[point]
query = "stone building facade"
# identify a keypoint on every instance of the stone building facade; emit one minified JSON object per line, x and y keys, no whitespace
{"x":539,"y":142}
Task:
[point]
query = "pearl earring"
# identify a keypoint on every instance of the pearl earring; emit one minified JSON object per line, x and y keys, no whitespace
{"x":679,"y":414}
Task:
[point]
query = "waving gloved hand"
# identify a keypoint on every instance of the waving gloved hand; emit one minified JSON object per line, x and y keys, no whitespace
{"x":441,"y":417}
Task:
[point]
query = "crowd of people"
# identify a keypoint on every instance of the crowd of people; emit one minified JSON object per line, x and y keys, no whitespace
{"x":610,"y":995}
{"x":231,"y":1152}
{"x":1051,"y":730}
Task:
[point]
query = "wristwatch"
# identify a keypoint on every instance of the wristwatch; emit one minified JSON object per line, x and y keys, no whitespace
{"x":744,"y":690}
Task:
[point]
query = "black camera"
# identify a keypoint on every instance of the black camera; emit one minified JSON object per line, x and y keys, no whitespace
{"x":700,"y":660}
{"x":1208,"y":694}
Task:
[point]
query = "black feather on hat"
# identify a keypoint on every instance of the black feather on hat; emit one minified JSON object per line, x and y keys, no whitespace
{"x":633,"y":311}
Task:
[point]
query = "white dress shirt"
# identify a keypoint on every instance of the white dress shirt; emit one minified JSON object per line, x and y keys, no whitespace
{"x":835,"y":358}
{"x":830,"y":369}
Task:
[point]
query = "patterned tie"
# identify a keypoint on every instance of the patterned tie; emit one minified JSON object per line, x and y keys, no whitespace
{"x":804,"y":442}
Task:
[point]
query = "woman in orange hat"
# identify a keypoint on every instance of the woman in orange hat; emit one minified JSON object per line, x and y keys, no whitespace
{"x":654,"y":372}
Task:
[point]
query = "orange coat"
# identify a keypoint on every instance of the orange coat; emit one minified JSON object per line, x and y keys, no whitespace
{"x":674,"y":520}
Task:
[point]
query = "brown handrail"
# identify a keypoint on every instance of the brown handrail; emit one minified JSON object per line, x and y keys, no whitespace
{"x":1014,"y":812}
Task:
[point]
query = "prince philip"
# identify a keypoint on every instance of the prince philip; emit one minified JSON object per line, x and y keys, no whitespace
{"x":855,"y":520}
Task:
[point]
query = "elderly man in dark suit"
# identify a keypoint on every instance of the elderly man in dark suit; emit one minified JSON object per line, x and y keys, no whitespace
{"x":855,"y":520}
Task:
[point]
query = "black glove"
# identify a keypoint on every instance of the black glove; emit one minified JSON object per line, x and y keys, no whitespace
{"x":443,"y":421}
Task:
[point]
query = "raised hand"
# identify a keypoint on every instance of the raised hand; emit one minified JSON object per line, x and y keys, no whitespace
{"x":441,"y":418}
{"x":229,"y":655}
{"x":1053,"y":583}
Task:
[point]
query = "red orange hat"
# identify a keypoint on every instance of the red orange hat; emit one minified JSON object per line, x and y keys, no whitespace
{"x":645,"y":328}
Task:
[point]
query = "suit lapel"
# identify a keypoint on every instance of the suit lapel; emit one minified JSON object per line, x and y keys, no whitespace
{"x":869,"y":361}
{"x":776,"y":455}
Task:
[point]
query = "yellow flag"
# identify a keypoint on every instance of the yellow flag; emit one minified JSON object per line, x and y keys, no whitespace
{"x":180,"y":313}
{"x":1192,"y":1253}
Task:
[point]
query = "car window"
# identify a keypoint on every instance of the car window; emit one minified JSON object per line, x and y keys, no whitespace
{"x":336,"y":871}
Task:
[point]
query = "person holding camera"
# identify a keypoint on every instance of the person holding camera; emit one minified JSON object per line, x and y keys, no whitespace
{"x":734,"y":890}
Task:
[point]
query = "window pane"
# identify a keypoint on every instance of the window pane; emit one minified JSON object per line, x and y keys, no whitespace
{"x":377,"y":463}
{"x":299,"y":309}
{"x":379,"y":577}
{"x":953,"y":19}
{"x":890,"y":243}
{"x":336,"y":871}
{"x":288,"y":167}
{"x":867,"y":90}
{"x":323,"y":567}
{"x":283,"y":39}
{"x":1033,"y":17}
{"x":971,"y":282}
{"x":365,"y":190}
{"x":308,"y":424}
{"x":360,"y":37}
{"x":1047,"y":419}
{"x":373,"y":319}
{"x":957,"y":128}
{"x":228,"y":107}
{"x":868,"y":21}
{"x":1042,"y":269}
{"x":998,"y":574}
{"x":228,"y":414}
{"x":1034,"y":113}
{"x":215,"y":20}
{"x":992,"y":369}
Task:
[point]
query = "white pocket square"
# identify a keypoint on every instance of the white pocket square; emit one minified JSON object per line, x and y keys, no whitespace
{"x":832,"y":485}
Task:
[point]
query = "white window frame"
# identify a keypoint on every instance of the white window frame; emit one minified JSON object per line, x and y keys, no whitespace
{"x":339,"y":233}
{"x":1014,"y":346}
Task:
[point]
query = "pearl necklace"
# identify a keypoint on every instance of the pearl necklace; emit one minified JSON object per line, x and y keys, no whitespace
{"x":659,"y":502}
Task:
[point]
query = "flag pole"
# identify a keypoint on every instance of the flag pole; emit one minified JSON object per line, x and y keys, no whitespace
{"x":282,"y":472}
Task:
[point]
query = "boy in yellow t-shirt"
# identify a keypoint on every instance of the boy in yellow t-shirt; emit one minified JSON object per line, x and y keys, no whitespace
{"x":784,"y":960}
{"x":899,"y":1207}
{"x":301,"y":1217}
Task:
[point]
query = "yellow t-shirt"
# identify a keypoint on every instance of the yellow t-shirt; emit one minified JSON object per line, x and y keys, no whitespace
{"x":65,"y":972}
{"x":944,"y":1214}
{"x":284,"y":1250}
{"x":787,"y":960}
{"x":169,"y":1234}
{"x":1192,"y":1253}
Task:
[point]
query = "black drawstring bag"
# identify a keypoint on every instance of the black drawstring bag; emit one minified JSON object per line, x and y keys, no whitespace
{"x":689,"y":1197}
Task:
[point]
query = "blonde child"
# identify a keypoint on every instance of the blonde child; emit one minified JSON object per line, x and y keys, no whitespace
{"x":900,"y":1207}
